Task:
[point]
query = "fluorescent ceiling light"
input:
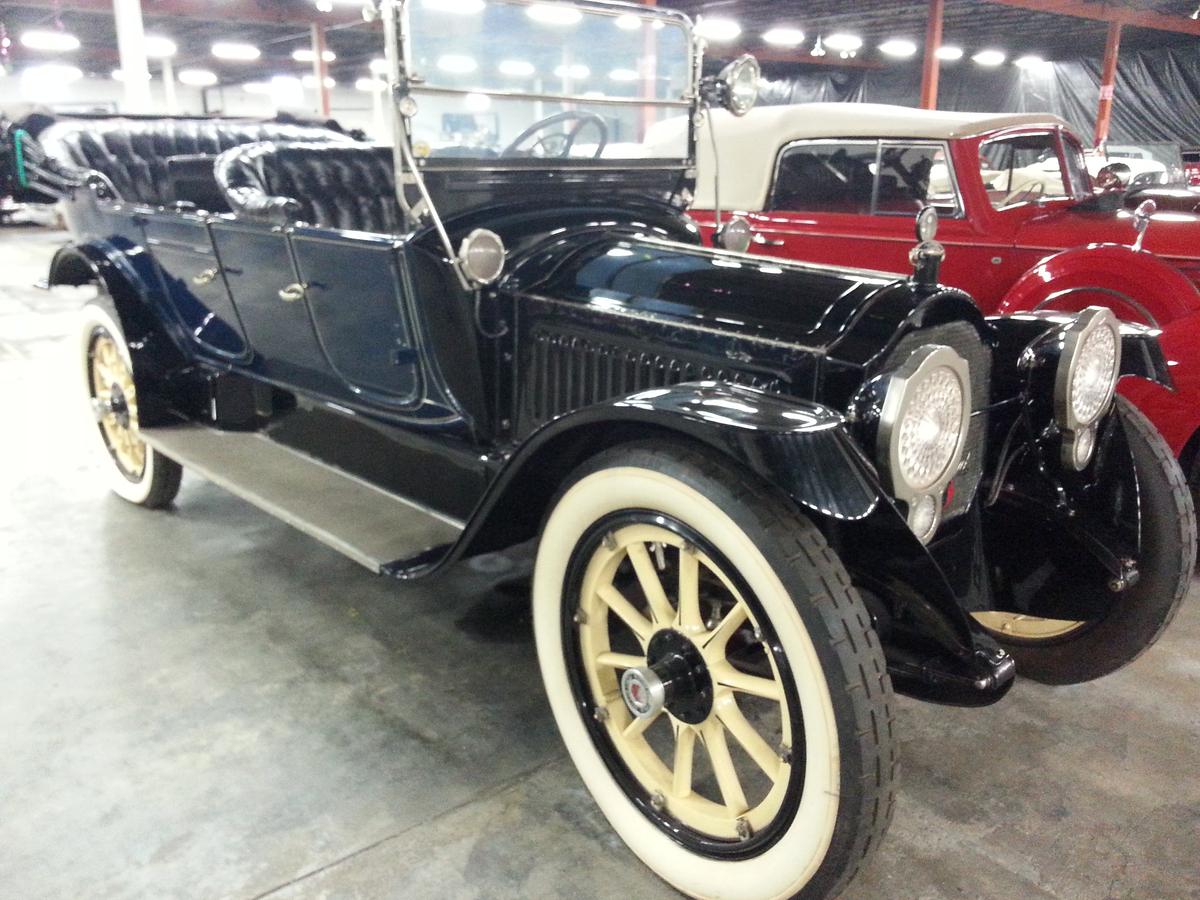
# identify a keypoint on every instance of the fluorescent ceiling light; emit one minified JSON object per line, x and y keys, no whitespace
{"x":461,"y":7}
{"x":989,"y":57}
{"x":516,"y":68}
{"x":623,"y":75}
{"x":843,"y":42}
{"x":159,"y":47}
{"x":257,"y":87}
{"x":477,"y":103}
{"x":784,"y":36}
{"x":378,"y":66}
{"x":235,"y":51}
{"x":719,"y":31}
{"x":629,"y":22}
{"x":310,"y":82}
{"x":370,"y":85}
{"x":119,"y":75}
{"x":1030,"y":62}
{"x":306,"y":55}
{"x":49,"y":75}
{"x":197,"y":77}
{"x":325,"y":6}
{"x":457,"y":64}
{"x":54,"y":41}
{"x":949,"y":52}
{"x":898,"y":48}
{"x":577,"y":71}
{"x":554,"y":14}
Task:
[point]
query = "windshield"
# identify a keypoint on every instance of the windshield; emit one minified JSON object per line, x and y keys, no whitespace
{"x":551,"y":81}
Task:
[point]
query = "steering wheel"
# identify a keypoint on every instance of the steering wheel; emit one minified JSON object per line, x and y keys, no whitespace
{"x":560,"y":143}
{"x":1028,"y":191}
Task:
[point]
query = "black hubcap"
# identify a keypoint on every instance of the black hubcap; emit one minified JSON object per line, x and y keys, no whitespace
{"x":678,"y":663}
{"x":119,"y":405}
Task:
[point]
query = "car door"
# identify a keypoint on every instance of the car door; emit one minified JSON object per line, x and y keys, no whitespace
{"x":269,"y":296}
{"x":192,"y":279}
{"x":359,"y":308}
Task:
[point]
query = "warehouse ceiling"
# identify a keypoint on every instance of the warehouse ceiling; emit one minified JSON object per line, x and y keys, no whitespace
{"x":279,"y":27}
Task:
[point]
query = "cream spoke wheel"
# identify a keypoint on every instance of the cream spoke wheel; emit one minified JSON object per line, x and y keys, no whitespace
{"x":661,"y":681}
{"x":115,"y":399}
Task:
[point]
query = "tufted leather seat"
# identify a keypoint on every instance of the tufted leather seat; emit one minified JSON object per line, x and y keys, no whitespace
{"x":350,"y":187}
{"x":132,"y":154}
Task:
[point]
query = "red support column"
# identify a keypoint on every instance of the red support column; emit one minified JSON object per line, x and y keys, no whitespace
{"x":930,"y":68}
{"x":320,"y":69}
{"x":1108,"y":81}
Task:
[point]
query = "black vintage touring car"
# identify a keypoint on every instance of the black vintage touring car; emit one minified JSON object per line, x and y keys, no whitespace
{"x":765,"y":494}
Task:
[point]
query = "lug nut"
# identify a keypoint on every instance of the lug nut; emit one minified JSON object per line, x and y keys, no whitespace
{"x":743,"y":830}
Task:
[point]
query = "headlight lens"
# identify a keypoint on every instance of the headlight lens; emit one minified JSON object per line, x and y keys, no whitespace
{"x":1094,"y":377}
{"x":922,"y":430}
{"x":930,"y":429}
{"x":1086,"y":380}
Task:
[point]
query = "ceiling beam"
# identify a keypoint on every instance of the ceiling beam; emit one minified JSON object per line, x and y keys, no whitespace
{"x":1108,"y":12}
{"x":800,"y":57}
{"x":268,"y":12}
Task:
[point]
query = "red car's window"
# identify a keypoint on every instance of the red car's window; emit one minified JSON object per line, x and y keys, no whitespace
{"x":1021,"y":169}
{"x":913,"y":177}
{"x":826,"y":178}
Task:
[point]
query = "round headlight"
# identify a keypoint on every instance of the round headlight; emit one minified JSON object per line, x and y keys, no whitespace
{"x":741,"y":79}
{"x":1088,"y":369}
{"x":930,"y":428}
{"x":922,"y":430}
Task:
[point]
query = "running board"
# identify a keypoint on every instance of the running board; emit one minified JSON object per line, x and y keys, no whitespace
{"x":378,"y":529}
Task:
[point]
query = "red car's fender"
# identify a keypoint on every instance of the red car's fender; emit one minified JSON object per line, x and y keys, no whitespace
{"x":1136,"y":285}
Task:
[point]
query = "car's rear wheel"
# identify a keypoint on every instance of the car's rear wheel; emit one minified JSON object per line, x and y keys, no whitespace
{"x":1065,"y":649}
{"x":715,"y":677}
{"x":135,"y":471}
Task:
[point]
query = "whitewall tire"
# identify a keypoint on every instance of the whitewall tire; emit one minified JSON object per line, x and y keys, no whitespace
{"x":777,"y":602}
{"x":135,"y":471}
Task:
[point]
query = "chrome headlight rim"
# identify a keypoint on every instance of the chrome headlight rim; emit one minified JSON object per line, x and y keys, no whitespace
{"x":1078,"y":432}
{"x":898,"y":399}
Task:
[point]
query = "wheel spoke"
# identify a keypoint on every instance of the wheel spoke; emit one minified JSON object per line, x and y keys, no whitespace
{"x":619,"y":660}
{"x":626,"y":612}
{"x":685,"y":753}
{"x":690,"y":619}
{"x":723,"y":768}
{"x":744,"y":733}
{"x":647,"y":575}
{"x":767,"y":688}
{"x":715,"y":645}
{"x":638,"y":726}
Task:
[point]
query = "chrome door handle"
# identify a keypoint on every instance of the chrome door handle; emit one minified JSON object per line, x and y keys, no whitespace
{"x":766,"y":242}
{"x":208,"y":276}
{"x":293,"y":292}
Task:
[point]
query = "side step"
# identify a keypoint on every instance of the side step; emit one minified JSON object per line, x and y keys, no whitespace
{"x":368,"y":524}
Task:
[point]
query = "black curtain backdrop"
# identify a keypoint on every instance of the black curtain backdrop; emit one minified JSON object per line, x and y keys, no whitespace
{"x":1157,"y":95}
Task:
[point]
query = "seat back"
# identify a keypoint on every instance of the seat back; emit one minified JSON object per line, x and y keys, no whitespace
{"x":349,"y":187}
{"x":133,"y":155}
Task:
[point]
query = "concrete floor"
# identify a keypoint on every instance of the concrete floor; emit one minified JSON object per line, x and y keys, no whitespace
{"x":205,"y":703}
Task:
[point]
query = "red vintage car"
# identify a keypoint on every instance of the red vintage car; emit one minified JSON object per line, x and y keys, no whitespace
{"x":1022,"y":223}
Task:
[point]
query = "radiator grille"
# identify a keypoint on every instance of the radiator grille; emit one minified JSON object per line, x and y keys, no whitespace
{"x":964,"y":340}
{"x":570,"y":372}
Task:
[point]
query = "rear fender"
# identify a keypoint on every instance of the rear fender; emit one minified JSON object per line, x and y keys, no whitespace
{"x":1135,"y":284}
{"x":127,"y":296}
{"x":802,"y":449}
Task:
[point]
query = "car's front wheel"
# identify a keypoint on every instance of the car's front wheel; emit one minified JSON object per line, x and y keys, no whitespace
{"x":135,"y":471}
{"x":715,"y":676}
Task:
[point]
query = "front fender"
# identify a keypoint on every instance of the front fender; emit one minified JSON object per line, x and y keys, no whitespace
{"x":803,"y":449}
{"x":1135,"y":284}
